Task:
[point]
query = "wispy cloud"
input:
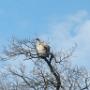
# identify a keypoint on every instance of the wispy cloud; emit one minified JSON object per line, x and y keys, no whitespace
{"x":76,"y":28}
{"x":78,"y":16}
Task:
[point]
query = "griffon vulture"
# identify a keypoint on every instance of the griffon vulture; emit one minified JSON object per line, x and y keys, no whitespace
{"x":43,"y":50}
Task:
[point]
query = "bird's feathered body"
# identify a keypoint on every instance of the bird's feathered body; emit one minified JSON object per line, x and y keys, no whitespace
{"x":42,"y":48}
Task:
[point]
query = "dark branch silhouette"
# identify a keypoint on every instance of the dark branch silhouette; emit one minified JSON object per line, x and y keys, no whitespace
{"x":50,"y":69}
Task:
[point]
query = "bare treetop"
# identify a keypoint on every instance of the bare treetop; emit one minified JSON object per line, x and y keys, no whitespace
{"x":50,"y":71}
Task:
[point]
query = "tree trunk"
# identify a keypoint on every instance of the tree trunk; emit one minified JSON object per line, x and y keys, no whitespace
{"x":56,"y":75}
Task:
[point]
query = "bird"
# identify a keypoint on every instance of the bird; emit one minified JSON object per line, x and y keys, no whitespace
{"x":42,"y":48}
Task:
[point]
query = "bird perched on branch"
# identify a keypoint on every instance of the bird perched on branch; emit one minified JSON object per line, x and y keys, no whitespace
{"x":43,"y":49}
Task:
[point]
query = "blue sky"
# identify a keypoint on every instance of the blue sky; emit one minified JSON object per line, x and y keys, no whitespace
{"x":27,"y":17}
{"x":63,"y":21}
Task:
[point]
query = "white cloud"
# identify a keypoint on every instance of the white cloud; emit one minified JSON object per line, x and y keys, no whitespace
{"x":83,"y":41}
{"x":79,"y":16}
{"x":75,"y":29}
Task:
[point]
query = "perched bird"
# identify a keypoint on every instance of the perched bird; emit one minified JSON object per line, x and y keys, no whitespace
{"x":42,"y":48}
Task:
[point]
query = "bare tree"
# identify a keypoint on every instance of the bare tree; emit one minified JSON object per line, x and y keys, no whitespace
{"x":51,"y":72}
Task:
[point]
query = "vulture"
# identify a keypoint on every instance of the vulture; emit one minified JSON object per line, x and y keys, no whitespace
{"x":42,"y":49}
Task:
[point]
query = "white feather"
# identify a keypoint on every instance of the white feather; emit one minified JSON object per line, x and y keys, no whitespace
{"x":40,"y":47}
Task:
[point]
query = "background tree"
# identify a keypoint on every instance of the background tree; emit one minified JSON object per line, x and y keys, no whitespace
{"x":49,"y":72}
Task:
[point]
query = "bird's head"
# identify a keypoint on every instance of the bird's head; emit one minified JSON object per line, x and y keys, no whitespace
{"x":37,"y":39}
